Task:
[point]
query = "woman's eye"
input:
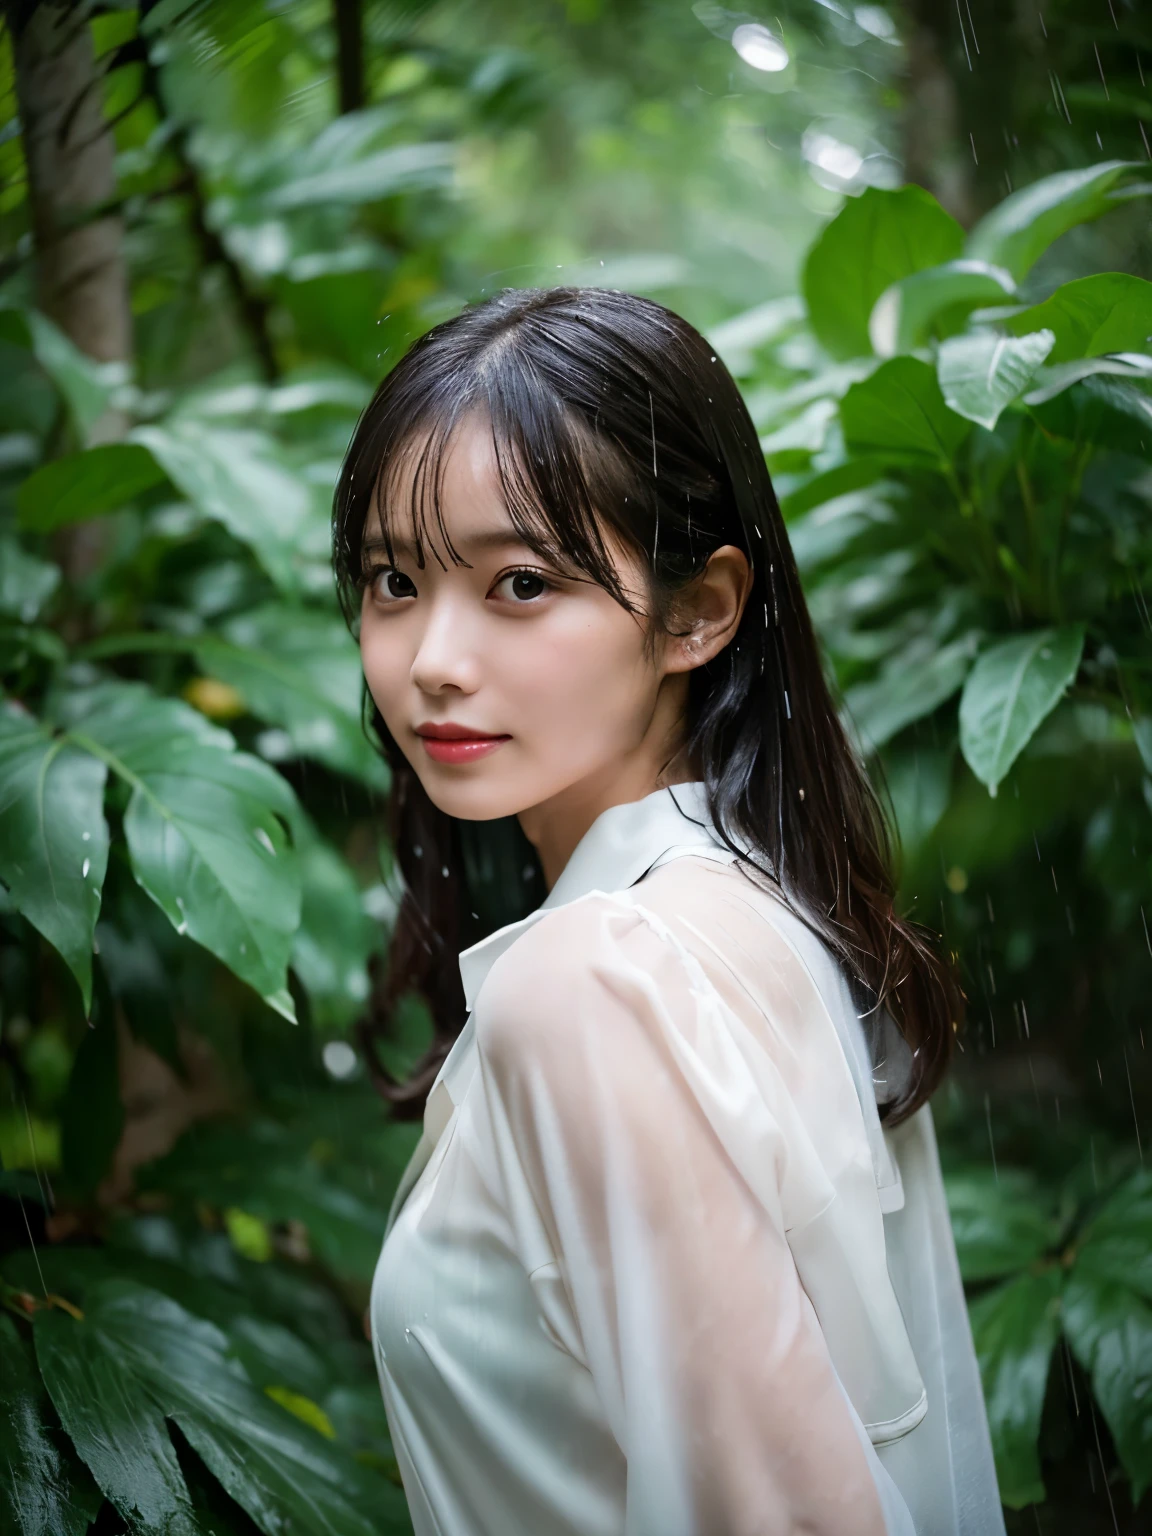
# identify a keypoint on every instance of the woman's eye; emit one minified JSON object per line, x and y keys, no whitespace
{"x":389,"y":586}
{"x":522,"y":586}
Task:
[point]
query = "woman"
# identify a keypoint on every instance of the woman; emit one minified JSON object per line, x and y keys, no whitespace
{"x":671,"y":1257}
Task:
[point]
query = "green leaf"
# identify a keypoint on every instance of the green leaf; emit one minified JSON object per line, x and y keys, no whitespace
{"x":299,"y":669}
{"x":138,"y":1358}
{"x":268,"y":1173}
{"x":26,"y":583}
{"x":1014,"y":686}
{"x":85,"y":384}
{"x":1015,"y":1329}
{"x":1110,"y":1330}
{"x":982,"y":373}
{"x":335,"y":938}
{"x":203,"y":828}
{"x":911,"y":685}
{"x":899,"y":413}
{"x":304,"y":1409}
{"x":243,"y":480}
{"x":1111,"y":312}
{"x":53,"y":836}
{"x":401,"y":168}
{"x":874,"y":241}
{"x":85,"y":485}
{"x":1002,"y":1222}
{"x":45,"y":1490}
{"x":1102,"y":409}
{"x":902,"y":316}
{"x":1021,"y":228}
{"x":116,"y":1428}
{"x":1053,"y":381}
{"x":1118,"y":1243}
{"x":92,"y":1114}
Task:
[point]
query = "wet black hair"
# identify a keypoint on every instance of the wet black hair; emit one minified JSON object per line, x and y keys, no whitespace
{"x":610,"y":412}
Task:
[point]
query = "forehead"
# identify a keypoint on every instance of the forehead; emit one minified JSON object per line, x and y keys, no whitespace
{"x":443,"y":499}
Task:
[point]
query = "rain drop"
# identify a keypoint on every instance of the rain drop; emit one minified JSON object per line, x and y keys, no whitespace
{"x":85,"y":867}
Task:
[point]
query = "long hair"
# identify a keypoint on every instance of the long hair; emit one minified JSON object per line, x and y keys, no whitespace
{"x":608,"y":411}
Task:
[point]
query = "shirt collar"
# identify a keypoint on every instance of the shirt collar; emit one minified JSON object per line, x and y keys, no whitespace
{"x":619,"y":848}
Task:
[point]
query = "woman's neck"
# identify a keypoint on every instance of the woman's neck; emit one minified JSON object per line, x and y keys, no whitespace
{"x":556,"y":826}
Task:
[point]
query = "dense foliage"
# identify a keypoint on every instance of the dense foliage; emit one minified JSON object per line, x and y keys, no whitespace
{"x":195,"y":884}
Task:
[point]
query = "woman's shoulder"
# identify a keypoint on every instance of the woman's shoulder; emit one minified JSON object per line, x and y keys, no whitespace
{"x":690,"y":933}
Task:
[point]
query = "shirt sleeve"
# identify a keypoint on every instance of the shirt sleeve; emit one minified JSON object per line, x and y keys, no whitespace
{"x":607,"y":1064}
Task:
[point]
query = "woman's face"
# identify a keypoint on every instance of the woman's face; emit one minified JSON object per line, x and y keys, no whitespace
{"x":508,"y":683}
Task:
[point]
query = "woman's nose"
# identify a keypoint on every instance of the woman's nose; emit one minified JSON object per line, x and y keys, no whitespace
{"x":446,"y":657}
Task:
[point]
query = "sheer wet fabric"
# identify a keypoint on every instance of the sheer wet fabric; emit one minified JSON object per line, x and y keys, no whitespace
{"x":640,"y":1276}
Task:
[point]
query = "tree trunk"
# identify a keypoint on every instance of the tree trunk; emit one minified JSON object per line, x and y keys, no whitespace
{"x":81,"y":280}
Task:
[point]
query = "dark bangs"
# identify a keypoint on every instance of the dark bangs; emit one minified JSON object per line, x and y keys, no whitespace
{"x":566,"y":474}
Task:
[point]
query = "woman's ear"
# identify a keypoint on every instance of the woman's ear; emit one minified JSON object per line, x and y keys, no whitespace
{"x":709,"y":609}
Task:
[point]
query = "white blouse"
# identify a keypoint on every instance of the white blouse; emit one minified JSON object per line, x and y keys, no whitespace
{"x":655,"y":1269}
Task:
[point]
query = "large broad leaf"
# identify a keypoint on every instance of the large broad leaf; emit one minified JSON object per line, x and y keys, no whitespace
{"x":45,"y":1490}
{"x":84,"y":485}
{"x":53,"y":836}
{"x":1106,"y":408}
{"x":911,"y":685}
{"x":902,"y":316}
{"x":1021,"y":228}
{"x":1111,"y":312}
{"x":899,"y":414}
{"x":1013,"y":687}
{"x":1110,"y":1331}
{"x":138,"y":1358}
{"x":1002,"y":1222}
{"x":242,"y":479}
{"x":1052,"y":381}
{"x":982,"y":373}
{"x":1015,"y":1329}
{"x":203,"y":828}
{"x":874,"y":241}
{"x":299,"y":669}
{"x":1118,"y":1244}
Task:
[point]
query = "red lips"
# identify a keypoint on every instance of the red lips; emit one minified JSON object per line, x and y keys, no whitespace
{"x":452,"y":743}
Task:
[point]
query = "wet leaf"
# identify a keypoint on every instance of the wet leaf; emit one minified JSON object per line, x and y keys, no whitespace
{"x":982,"y":373}
{"x":203,"y":828}
{"x":1110,"y":312}
{"x":1021,"y":228}
{"x":138,"y":1358}
{"x":1110,"y":1331}
{"x":1015,"y":1329}
{"x":874,"y":241}
{"x":1011,"y":690}
{"x":1002,"y":1222}
{"x":53,"y":836}
{"x":902,"y":316}
{"x":1118,"y":1243}
{"x":45,"y":1490}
